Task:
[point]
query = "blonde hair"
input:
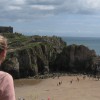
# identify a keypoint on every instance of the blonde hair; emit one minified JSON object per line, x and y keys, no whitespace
{"x":3,"y":43}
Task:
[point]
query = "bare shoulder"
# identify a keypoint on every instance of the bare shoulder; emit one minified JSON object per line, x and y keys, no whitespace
{"x":5,"y":75}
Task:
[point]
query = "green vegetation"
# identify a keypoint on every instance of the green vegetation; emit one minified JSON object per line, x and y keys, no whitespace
{"x":18,"y":41}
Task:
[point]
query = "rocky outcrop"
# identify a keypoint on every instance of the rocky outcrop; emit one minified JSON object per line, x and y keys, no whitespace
{"x":43,"y":55}
{"x":34,"y":58}
{"x":11,"y":66}
{"x":74,"y":58}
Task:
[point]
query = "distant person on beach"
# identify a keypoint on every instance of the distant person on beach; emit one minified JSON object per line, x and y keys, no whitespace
{"x":7,"y":91}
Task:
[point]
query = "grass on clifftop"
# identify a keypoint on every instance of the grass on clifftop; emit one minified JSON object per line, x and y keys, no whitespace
{"x":20,"y":41}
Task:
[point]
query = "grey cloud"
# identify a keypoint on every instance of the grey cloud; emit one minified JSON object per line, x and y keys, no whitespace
{"x":45,"y":2}
{"x":31,"y":9}
{"x":79,"y":6}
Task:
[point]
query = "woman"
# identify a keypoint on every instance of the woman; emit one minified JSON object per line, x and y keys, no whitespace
{"x":6,"y":81}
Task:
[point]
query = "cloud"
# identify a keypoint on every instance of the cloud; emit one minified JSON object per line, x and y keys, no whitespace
{"x":43,"y":7}
{"x":31,"y":9}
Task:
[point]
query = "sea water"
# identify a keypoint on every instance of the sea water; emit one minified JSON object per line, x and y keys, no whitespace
{"x":93,"y":43}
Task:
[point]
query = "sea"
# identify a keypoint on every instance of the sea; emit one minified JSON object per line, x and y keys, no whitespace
{"x":93,"y":43}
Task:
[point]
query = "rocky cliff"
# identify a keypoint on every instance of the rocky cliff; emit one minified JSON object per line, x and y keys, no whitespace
{"x":74,"y":58}
{"x":34,"y":55}
{"x":28,"y":56}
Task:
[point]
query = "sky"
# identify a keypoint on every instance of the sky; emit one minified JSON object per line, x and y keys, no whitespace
{"x":77,"y":18}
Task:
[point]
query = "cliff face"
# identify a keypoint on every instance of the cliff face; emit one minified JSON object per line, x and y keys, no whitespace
{"x":41,"y":55}
{"x":74,"y":58}
{"x":34,"y":57}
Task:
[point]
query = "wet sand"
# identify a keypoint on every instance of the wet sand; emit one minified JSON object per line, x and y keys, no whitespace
{"x":63,"y":88}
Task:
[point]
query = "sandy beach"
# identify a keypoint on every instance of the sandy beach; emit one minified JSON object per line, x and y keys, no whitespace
{"x":62,"y":88}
